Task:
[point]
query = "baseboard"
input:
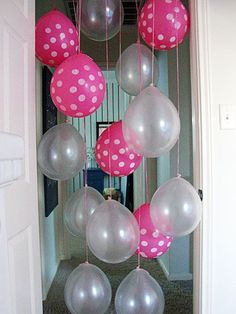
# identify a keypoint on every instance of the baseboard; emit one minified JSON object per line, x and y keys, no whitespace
{"x":173,"y":277}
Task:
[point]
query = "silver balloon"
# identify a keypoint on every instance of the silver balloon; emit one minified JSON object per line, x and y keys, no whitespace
{"x":79,"y":208}
{"x":61,"y":152}
{"x":134,"y":69}
{"x":139,"y":293}
{"x":151,"y":124}
{"x":176,"y":208}
{"x":95,"y":16}
{"x":87,"y":290}
{"x":112,"y":232}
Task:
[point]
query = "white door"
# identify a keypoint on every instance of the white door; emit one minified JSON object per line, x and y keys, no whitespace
{"x":20,"y":276}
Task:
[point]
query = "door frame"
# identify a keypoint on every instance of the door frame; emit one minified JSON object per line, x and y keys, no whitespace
{"x":202,"y":153}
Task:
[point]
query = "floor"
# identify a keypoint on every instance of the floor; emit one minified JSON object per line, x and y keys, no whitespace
{"x":178,"y":294}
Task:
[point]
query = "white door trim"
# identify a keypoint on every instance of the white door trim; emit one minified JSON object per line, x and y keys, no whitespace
{"x":202,"y":144}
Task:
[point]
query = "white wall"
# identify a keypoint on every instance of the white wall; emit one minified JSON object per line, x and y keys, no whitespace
{"x":215,"y":47}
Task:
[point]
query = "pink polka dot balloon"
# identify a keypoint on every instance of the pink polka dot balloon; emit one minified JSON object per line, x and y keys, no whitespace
{"x":112,"y":153}
{"x":152,"y":243}
{"x":163,"y":24}
{"x":56,"y":38}
{"x":78,"y":86}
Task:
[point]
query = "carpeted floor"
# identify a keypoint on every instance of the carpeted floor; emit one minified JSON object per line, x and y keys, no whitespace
{"x":178,"y":294}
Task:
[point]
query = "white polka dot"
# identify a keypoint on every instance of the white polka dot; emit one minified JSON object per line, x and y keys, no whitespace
{"x":177,"y":25}
{"x":150,"y":6}
{"x":52,"y":80}
{"x":143,"y":231}
{"x":117,"y":141}
{"x":53,"y":40}
{"x":121,"y":164}
{"x":86,"y":67}
{"x":144,"y":23}
{"x":107,"y":141}
{"x":46,"y":47}
{"x":182,"y":6}
{"x":103,"y":164}
{"x":94,"y":99}
{"x":62,"y":36}
{"x":73,"y":107}
{"x":72,"y":42}
{"x":168,"y":244}
{"x":167,"y":237}
{"x":63,"y":45}
{"x":58,"y":99}
{"x":185,"y":28}
{"x":100,"y":74}
{"x":53,"y":90}
{"x":91,"y":77}
{"x":92,"y":109}
{"x":185,"y":17}
{"x":161,"y":243}
{"x":143,"y":34}
{"x":131,"y":156}
{"x":75,"y":71}
{"x":172,"y":39}
{"x":59,"y":83}
{"x":144,"y":243}
{"x":150,"y":16}
{"x":169,"y":16}
{"x":152,"y":44}
{"x":176,"y":9}
{"x":160,"y":37}
{"x":143,"y":254}
{"x":81,"y":81}
{"x":132,"y":165}
{"x":155,"y":234}
{"x":100,"y":86}
{"x":81,"y":97}
{"x":163,"y":46}
{"x":53,"y":53}
{"x":48,"y":30}
{"x":99,"y":156}
{"x":122,"y":151}
{"x":66,"y":54}
{"x":142,"y":15}
{"x":149,"y":29}
{"x":172,"y":46}
{"x":98,"y":146}
{"x":70,"y":30}
{"x":168,"y":1}
{"x":114,"y":157}
{"x":105,"y":153}
{"x":79,"y":114}
{"x":93,"y":89}
{"x":116,"y":172}
{"x":154,"y":250}
{"x":60,"y":71}
{"x":73,"y":89}
{"x":58,"y":26}
{"x":63,"y":108}
{"x":159,"y":254}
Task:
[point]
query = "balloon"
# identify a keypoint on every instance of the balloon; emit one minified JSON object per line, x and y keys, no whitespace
{"x":79,"y":208}
{"x":78,"y":86}
{"x":61,"y":152}
{"x":134,"y":62}
{"x":56,"y":38}
{"x":112,"y":154}
{"x":176,"y":208}
{"x":97,"y":14}
{"x":152,"y":243}
{"x":139,"y":293}
{"x":87,"y":290}
{"x":163,"y":24}
{"x":151,"y":124}
{"x":112,"y":232}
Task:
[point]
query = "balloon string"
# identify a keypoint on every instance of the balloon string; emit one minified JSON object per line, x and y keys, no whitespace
{"x":79,"y":23}
{"x":53,"y":4}
{"x":85,"y":184}
{"x":146,"y":180}
{"x":178,"y":97}
{"x":107,"y":83}
{"x":120,"y":38}
{"x":153,"y":37}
